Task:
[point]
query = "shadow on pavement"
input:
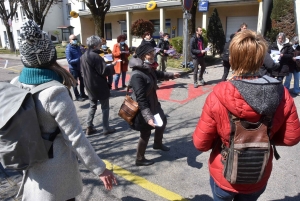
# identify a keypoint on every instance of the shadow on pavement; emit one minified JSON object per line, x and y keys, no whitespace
{"x":287,"y":198}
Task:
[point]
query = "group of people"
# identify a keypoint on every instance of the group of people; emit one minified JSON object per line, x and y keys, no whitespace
{"x":55,"y":108}
{"x":286,"y":65}
{"x":59,"y":178}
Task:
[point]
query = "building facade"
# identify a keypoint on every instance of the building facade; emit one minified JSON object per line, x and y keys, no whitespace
{"x":52,"y":21}
{"x":167,"y":17}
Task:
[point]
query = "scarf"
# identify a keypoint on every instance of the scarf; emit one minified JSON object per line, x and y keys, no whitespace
{"x":36,"y":76}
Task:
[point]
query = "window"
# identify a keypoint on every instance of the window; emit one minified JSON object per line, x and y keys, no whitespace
{"x":16,"y":17}
{"x":18,"y":33}
{"x":22,"y":12}
{"x":69,"y":10}
{"x":108,"y":31}
{"x":156,"y":24}
{"x":83,"y":5}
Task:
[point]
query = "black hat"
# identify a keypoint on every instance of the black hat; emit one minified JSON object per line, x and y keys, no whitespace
{"x":144,"y":49}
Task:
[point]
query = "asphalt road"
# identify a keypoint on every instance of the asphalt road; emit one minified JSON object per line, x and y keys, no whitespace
{"x":182,"y":171}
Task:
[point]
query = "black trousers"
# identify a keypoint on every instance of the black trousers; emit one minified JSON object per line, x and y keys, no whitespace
{"x":226,"y":65}
{"x":196,"y":63}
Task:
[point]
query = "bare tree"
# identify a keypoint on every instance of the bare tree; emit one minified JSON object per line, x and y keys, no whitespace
{"x":98,"y":9}
{"x":37,"y":10}
{"x":7,"y":14}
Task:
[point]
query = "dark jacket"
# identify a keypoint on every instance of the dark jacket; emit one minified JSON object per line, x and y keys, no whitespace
{"x":195,"y":50}
{"x":286,"y":61}
{"x":225,"y":56}
{"x":73,"y":54}
{"x":94,"y":72}
{"x":268,"y":66}
{"x":144,"y":85}
{"x":163,"y":45}
{"x":151,"y":42}
{"x":297,"y":63}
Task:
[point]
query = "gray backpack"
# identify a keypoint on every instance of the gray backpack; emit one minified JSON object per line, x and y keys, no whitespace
{"x":21,"y":142}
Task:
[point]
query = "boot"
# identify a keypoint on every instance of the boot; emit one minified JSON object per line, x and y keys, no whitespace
{"x":140,"y":155}
{"x":161,"y":147}
{"x":143,"y":162}
{"x":90,"y":130}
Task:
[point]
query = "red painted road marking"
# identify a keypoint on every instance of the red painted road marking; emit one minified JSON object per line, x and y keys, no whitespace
{"x":166,"y":89}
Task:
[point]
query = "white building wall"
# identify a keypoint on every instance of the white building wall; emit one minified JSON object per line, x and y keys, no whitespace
{"x":54,"y":19}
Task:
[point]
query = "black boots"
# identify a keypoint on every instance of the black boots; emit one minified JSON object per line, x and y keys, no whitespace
{"x":140,"y":155}
{"x":143,"y":162}
{"x":161,"y":147}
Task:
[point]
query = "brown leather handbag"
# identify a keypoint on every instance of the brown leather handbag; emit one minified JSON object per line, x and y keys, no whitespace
{"x":129,"y":108}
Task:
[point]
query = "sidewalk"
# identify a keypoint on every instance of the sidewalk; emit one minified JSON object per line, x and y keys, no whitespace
{"x":10,"y":56}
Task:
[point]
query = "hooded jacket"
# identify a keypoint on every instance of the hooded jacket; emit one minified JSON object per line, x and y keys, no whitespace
{"x":246,"y":99}
{"x":144,"y":85}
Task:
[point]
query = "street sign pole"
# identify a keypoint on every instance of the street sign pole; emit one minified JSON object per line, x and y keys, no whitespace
{"x":187,"y":5}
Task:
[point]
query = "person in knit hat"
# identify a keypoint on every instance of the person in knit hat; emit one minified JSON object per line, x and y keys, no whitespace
{"x":57,"y":178}
{"x":144,"y":85}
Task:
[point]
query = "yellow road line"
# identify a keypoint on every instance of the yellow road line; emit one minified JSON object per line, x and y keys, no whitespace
{"x":11,"y":69}
{"x":162,"y":192}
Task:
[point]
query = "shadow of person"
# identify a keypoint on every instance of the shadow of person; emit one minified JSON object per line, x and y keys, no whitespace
{"x":129,"y":198}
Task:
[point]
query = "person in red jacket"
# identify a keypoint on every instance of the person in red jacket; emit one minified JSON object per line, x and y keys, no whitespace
{"x":247,"y":96}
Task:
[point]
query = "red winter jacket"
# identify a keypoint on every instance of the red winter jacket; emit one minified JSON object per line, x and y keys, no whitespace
{"x":247,"y":100}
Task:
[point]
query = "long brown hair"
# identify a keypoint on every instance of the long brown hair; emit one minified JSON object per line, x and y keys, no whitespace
{"x":68,"y":79}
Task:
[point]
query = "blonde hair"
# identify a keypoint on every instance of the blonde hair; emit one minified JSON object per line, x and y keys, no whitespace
{"x":68,"y":79}
{"x":247,"y":52}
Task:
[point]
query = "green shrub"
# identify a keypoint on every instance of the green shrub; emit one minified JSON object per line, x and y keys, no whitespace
{"x":177,"y":43}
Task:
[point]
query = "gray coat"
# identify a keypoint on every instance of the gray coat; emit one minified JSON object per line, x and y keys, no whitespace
{"x":59,"y":179}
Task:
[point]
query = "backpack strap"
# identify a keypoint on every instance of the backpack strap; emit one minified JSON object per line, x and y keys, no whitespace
{"x":270,"y":123}
{"x":46,"y":85}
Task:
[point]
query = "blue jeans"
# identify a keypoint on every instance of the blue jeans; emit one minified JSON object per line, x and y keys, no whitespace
{"x":223,"y":195}
{"x":105,"y":113}
{"x":76,"y":74}
{"x":117,"y":77}
{"x":287,"y":82}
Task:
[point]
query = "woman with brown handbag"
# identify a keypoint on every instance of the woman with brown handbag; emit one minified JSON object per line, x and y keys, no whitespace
{"x":144,"y":84}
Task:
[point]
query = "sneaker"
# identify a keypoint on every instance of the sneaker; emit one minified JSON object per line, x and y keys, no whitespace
{"x":90,"y":130}
{"x":79,"y":99}
{"x":109,"y":131}
{"x":196,"y":85}
{"x":201,"y":82}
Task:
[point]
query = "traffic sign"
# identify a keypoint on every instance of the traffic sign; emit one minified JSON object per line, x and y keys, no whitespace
{"x":188,"y":4}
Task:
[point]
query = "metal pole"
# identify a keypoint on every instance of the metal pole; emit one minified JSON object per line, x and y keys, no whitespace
{"x":185,"y":37}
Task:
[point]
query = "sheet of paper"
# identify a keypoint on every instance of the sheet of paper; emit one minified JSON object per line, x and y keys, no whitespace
{"x":108,"y":57}
{"x":275,"y":52}
{"x":171,"y":51}
{"x":156,"y":49}
{"x":157,"y":120}
{"x":207,"y":49}
{"x":297,"y":57}
{"x":275,"y":57}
